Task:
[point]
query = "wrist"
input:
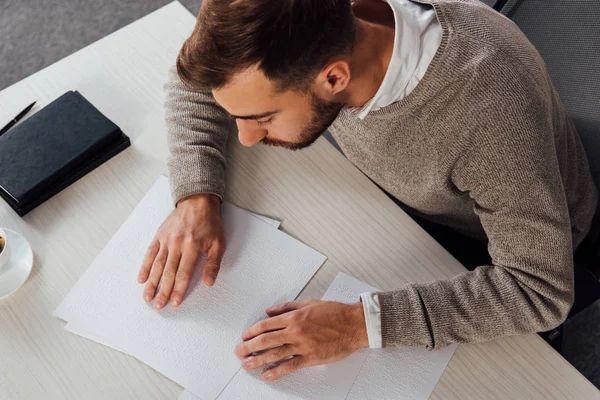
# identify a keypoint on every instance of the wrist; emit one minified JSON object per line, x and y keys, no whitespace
{"x":360,"y":326}
{"x":200,"y":200}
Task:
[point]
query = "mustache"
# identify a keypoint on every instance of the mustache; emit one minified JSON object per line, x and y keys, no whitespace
{"x":286,"y":145}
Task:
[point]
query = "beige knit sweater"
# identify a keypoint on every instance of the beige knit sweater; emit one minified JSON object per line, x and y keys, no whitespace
{"x":482,"y":145}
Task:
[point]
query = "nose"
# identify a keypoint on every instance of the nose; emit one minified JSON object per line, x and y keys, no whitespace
{"x":249,"y":132}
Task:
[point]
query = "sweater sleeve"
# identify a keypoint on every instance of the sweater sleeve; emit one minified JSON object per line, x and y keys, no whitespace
{"x":511,"y":172}
{"x":197,"y":129}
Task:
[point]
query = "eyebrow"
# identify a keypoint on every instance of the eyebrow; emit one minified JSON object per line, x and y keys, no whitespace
{"x":255,"y":116}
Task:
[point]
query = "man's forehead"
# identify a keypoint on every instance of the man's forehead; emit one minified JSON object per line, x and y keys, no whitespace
{"x":252,"y":80}
{"x":248,"y":92}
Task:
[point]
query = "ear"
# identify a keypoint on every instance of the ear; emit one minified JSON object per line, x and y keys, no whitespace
{"x":334,"y":78}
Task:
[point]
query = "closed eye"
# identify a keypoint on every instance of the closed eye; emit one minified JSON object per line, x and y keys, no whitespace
{"x":263,"y":123}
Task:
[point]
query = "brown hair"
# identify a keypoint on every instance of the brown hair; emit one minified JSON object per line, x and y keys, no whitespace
{"x":289,"y":40}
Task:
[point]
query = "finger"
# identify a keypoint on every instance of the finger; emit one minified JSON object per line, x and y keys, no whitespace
{"x":168,"y":279}
{"x":259,"y":343}
{"x":284,"y":368}
{"x":155,"y":273}
{"x":284,"y":308}
{"x":213,"y":263}
{"x":148,"y":260}
{"x":266,"y":325}
{"x":189,"y":258}
{"x":268,"y":357}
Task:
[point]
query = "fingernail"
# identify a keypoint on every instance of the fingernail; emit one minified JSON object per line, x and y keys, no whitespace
{"x":158,"y":305}
{"x":267,"y":375}
{"x":174,"y":303}
{"x":238,"y":351}
{"x":248,"y":361}
{"x":147,"y":297}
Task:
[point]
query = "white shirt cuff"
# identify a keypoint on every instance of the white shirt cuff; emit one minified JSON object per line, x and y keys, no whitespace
{"x":372,"y":311}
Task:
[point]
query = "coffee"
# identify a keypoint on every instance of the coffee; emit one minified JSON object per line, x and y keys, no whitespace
{"x":2,"y":242}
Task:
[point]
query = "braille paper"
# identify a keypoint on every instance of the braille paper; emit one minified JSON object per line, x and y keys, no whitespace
{"x":192,"y":344}
{"x":367,"y":374}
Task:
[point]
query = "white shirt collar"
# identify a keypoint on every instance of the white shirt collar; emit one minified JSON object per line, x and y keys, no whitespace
{"x":417,"y":37}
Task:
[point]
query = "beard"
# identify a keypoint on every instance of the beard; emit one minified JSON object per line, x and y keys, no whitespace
{"x":323,"y":115}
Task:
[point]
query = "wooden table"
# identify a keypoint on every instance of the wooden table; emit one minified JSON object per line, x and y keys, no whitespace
{"x":322,"y":199}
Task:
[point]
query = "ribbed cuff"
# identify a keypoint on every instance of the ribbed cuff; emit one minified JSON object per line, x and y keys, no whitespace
{"x":192,"y":188}
{"x":403,"y":319}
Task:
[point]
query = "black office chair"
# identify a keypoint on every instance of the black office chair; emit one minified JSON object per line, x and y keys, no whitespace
{"x":490,"y":3}
{"x":567,"y":35}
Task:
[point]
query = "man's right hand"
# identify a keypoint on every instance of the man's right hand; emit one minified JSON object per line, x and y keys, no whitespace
{"x":194,"y":228}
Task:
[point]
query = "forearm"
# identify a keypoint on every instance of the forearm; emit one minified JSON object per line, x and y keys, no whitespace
{"x":198,"y":129}
{"x":487,"y":303}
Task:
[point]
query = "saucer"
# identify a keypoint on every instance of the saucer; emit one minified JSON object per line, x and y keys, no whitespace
{"x":17,"y":270}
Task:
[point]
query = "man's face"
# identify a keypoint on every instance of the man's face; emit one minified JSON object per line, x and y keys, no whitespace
{"x":288,"y":119}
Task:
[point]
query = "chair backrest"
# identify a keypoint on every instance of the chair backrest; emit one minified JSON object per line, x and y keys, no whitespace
{"x":567,"y":35}
{"x":490,"y":3}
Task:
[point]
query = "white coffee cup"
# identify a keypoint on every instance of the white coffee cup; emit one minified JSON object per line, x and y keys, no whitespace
{"x":5,"y":253}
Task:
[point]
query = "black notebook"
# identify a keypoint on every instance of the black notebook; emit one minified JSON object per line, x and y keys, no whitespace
{"x":54,"y":148}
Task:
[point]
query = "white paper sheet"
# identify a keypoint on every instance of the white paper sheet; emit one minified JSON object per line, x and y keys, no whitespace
{"x":81,"y":332}
{"x":371,"y":373}
{"x":332,"y":381}
{"x":393,"y":373}
{"x":270,"y":221}
{"x":408,"y":374}
{"x":193,"y":344}
{"x":73,"y":328}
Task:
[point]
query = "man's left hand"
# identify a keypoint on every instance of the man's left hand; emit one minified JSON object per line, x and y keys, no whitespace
{"x":313,"y":332}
